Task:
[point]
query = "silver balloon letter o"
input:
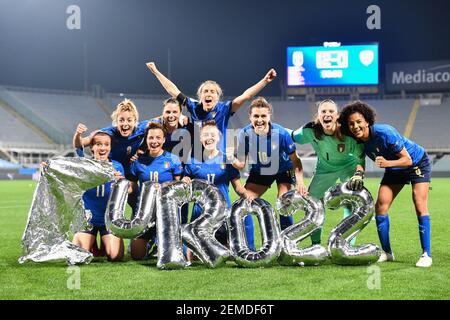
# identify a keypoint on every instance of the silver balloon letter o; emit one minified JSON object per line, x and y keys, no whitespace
{"x":270,"y":233}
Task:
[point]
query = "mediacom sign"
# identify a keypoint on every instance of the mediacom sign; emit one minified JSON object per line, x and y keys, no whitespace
{"x":417,"y":76}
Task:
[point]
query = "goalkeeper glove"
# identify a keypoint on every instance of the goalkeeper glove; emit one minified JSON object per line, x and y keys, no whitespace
{"x":356,"y":183}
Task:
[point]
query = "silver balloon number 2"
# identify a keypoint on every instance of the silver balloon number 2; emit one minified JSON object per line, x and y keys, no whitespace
{"x":288,"y":204}
{"x":362,"y":207}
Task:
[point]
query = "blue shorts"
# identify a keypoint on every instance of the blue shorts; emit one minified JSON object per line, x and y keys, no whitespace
{"x":148,"y":235}
{"x":417,"y":174}
{"x":97,"y":229}
{"x":281,"y":177}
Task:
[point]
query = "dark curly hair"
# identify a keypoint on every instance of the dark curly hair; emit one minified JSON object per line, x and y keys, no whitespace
{"x":356,"y":106}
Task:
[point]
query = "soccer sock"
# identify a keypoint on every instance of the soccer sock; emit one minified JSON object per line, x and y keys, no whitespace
{"x":249,"y":232}
{"x":424,"y":234}
{"x":383,"y":232}
{"x":315,"y":236}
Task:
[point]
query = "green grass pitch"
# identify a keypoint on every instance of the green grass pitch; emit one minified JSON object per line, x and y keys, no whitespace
{"x":142,"y":280}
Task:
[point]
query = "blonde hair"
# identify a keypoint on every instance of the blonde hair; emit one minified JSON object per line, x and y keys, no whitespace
{"x":200,"y":88}
{"x":123,"y":106}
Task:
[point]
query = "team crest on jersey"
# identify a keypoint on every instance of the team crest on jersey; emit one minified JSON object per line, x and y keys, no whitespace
{"x":213,"y":114}
{"x":341,"y":147}
{"x":166,"y":164}
{"x":223,"y":166}
{"x":129,"y":150}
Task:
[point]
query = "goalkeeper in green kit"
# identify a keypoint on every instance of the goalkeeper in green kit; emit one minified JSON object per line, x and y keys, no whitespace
{"x":339,"y":157}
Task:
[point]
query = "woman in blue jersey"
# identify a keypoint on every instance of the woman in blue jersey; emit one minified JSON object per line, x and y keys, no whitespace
{"x":404,"y":161}
{"x":95,"y":201}
{"x":126,"y":133}
{"x":269,"y":150}
{"x":208,"y":106}
{"x":178,"y":131}
{"x":339,"y":157}
{"x":215,"y":170}
{"x":156,"y":165}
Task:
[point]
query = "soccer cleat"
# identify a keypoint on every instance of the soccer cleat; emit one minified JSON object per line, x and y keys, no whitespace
{"x":425,"y":261}
{"x":385,"y":257}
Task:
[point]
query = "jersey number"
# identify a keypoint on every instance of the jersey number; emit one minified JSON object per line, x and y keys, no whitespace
{"x":154,"y":176}
{"x":263,"y":157}
{"x":211,"y":178}
{"x":101,"y":191}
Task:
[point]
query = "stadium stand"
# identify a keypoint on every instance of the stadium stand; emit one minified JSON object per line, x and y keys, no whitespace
{"x":431,"y":126}
{"x":14,"y":131}
{"x":39,"y":123}
{"x":393,"y":111}
{"x":149,"y":106}
{"x":63,"y":111}
{"x":8,"y":165}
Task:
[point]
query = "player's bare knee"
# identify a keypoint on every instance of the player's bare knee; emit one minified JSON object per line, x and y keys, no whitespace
{"x":115,"y":257}
{"x":381,"y":208}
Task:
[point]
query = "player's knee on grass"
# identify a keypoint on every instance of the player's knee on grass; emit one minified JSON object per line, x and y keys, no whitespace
{"x":138,"y":249}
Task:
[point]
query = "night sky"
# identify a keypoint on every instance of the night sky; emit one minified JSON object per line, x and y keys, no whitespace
{"x":233,"y":42}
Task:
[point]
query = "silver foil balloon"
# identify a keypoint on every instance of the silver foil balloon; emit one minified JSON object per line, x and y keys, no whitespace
{"x":270,"y":233}
{"x":199,"y":234}
{"x":145,"y":215}
{"x":287,"y":205}
{"x":57,"y":209}
{"x":170,"y":197}
{"x":362,"y":207}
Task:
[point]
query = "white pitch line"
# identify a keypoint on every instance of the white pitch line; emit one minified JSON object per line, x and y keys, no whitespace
{"x":11,"y":207}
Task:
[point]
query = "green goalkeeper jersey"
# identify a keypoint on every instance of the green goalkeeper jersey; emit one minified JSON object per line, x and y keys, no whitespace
{"x":333,"y":155}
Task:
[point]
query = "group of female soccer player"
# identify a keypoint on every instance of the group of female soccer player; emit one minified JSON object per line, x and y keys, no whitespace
{"x":175,"y":147}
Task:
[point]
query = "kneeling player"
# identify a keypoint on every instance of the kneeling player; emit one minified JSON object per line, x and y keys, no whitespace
{"x":96,"y":199}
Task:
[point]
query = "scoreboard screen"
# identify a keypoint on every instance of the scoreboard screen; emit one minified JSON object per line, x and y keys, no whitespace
{"x":332,"y":65}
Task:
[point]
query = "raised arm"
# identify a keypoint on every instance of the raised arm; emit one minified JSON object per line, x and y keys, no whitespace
{"x":170,"y":87}
{"x":77,"y":139}
{"x":253,"y":90}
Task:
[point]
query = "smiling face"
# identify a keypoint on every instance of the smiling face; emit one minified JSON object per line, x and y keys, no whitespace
{"x":126,"y":122}
{"x":101,"y":147}
{"x":209,"y":137}
{"x":209,"y":94}
{"x":155,"y":141}
{"x":328,"y":115}
{"x":171,"y":115}
{"x":260,"y":119}
{"x":358,"y":126}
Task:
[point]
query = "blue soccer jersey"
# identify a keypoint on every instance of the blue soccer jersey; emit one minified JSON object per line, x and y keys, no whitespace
{"x":221,"y":113}
{"x":216,"y":171}
{"x":96,"y":199}
{"x":267,"y":155}
{"x":387,"y":142}
{"x":122,"y":149}
{"x":160,"y":169}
